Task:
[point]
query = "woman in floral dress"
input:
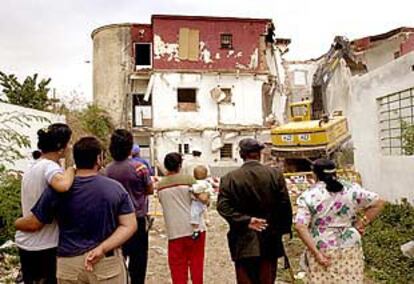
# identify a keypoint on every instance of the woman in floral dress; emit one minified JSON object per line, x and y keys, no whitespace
{"x":331,"y":217}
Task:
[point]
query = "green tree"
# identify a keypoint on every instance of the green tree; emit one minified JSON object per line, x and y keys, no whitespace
{"x":30,"y":93}
{"x":91,"y":120}
{"x":11,"y":140}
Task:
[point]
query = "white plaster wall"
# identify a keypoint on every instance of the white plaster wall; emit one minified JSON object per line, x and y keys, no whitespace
{"x":246,"y":96}
{"x":31,"y":132}
{"x":391,"y":176}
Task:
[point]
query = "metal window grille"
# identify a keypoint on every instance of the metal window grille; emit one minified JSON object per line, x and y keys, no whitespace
{"x":226,"y":152}
{"x":395,"y":110}
{"x":226,"y":41}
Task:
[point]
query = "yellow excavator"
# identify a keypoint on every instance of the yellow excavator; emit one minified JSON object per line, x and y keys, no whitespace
{"x":304,"y":138}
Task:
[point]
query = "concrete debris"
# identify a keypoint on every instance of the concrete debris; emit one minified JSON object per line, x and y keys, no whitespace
{"x":408,"y":249}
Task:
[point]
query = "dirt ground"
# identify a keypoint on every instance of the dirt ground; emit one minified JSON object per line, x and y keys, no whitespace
{"x":218,"y":265}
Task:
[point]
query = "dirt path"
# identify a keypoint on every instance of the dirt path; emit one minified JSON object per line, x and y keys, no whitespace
{"x":218,"y":265}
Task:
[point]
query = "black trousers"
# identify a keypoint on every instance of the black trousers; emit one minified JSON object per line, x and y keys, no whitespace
{"x":38,"y":267}
{"x":256,"y":270}
{"x":136,"y":248}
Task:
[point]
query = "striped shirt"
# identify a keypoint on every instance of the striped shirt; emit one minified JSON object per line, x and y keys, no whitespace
{"x":175,"y":198}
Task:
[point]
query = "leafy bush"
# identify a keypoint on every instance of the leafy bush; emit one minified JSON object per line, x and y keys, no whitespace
{"x":384,"y":259}
{"x":9,"y":203}
{"x":407,"y":137}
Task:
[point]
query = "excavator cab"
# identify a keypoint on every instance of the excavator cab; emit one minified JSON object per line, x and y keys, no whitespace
{"x":300,"y":111}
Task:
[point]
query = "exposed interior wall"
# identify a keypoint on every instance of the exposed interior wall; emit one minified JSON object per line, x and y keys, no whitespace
{"x":391,"y":176}
{"x":31,"y":132}
{"x":245,"y":107}
{"x":111,"y":64}
{"x":382,"y":53}
{"x":300,"y":78}
{"x":338,"y":90}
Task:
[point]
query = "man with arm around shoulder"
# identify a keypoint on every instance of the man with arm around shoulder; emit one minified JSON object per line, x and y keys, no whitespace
{"x":95,"y":217}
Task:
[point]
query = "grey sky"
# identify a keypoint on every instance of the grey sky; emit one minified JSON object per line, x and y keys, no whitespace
{"x":52,"y":37}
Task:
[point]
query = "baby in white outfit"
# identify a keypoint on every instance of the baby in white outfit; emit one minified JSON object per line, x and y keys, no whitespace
{"x":202,"y":191}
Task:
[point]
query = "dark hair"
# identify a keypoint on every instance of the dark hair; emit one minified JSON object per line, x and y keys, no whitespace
{"x":36,"y":154}
{"x":325,"y":170}
{"x":121,"y":144}
{"x":54,"y":138}
{"x":250,"y":155}
{"x":173,"y":162}
{"x":86,"y":152}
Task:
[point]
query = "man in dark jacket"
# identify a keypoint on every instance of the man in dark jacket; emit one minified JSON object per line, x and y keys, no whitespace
{"x":255,"y":202}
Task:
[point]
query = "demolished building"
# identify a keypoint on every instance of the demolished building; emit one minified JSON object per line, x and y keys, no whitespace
{"x":191,"y":82}
{"x":371,"y":80}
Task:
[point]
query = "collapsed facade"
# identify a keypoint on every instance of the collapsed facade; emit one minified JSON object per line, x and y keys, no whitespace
{"x":372,"y":81}
{"x":184,"y":83}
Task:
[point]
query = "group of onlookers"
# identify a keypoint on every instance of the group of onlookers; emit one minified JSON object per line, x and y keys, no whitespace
{"x":85,"y":223}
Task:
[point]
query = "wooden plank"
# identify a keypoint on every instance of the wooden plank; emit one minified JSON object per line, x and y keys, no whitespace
{"x":183,"y":43}
{"x":193,"y":44}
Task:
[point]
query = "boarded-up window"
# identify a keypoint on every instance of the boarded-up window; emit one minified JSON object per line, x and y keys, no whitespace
{"x":187,"y":99}
{"x":226,"y":152}
{"x":189,"y":42}
{"x":226,"y":41}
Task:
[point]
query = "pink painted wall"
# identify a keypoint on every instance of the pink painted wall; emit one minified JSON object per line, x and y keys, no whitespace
{"x":246,"y":34}
{"x":408,"y":45}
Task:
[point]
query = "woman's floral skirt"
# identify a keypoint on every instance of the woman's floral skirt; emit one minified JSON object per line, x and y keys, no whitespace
{"x":347,"y":266}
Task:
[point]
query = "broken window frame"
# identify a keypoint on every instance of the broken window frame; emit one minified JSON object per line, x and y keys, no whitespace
{"x":226,"y":41}
{"x":137,"y":67}
{"x":226,"y":152}
{"x":229,"y":95}
{"x":140,"y":102}
{"x":187,"y":105}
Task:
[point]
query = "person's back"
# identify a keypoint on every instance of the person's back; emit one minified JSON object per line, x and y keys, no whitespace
{"x":175,"y":197}
{"x":136,"y":178}
{"x":260,"y":191}
{"x":127,"y":173}
{"x":95,"y":216}
{"x":87,"y":213}
{"x":185,"y":254}
{"x":34,"y":181}
{"x":254,"y":201}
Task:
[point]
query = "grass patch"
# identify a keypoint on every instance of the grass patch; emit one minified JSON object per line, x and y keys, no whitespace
{"x":384,"y":260}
